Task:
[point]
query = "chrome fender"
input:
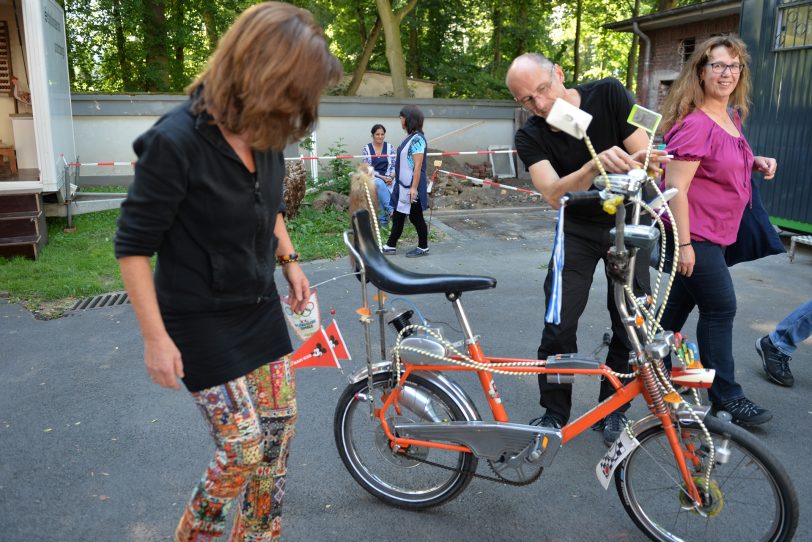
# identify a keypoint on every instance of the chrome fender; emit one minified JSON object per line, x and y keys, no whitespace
{"x":457,"y":394}
{"x":683,"y":415}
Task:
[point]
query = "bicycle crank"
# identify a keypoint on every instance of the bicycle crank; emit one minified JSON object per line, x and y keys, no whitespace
{"x":522,"y":468}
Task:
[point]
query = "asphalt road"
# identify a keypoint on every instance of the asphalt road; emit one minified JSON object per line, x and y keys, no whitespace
{"x":90,"y":449}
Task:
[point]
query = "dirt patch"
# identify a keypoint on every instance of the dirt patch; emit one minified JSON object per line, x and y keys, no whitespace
{"x":451,"y":192}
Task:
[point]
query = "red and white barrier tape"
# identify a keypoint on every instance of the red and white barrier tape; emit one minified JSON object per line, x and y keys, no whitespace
{"x":488,"y":181}
{"x":108,"y":164}
{"x":351,"y":156}
{"x":336,"y":157}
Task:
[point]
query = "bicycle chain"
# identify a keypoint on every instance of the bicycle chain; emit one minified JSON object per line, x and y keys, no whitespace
{"x":496,"y":478}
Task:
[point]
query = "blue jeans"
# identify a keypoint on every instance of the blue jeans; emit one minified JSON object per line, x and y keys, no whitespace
{"x":793,"y":329}
{"x":710,"y":288}
{"x":384,"y":195}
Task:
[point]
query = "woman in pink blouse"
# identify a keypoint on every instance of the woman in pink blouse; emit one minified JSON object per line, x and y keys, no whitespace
{"x":711,"y":168}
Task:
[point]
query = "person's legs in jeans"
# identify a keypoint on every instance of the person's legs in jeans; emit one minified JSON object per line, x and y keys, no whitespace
{"x":793,"y":329}
{"x":384,"y":195}
{"x":416,"y":218}
{"x":581,"y":255}
{"x":712,"y":288}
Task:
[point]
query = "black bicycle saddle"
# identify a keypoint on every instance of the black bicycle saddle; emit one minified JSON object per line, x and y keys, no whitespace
{"x":396,"y":280}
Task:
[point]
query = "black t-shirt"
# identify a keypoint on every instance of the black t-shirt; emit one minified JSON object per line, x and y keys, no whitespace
{"x":609,"y":103}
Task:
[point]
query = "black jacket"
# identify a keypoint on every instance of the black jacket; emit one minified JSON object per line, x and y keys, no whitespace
{"x":209,"y":219}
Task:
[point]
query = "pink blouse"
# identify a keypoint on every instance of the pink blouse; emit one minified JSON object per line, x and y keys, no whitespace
{"x":721,"y":186}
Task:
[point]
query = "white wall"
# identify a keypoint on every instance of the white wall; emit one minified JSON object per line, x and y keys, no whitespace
{"x":105,"y":127}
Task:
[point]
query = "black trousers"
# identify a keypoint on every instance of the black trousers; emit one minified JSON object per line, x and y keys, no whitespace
{"x":585,"y":245}
{"x":415,"y":217}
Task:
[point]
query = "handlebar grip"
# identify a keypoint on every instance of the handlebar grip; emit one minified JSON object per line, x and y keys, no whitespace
{"x":578,"y":198}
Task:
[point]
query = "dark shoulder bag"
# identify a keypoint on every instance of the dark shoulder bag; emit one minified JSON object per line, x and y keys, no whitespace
{"x":757,"y":237}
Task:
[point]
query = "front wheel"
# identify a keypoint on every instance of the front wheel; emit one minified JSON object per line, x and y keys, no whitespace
{"x":751,"y":495}
{"x":401,"y":479}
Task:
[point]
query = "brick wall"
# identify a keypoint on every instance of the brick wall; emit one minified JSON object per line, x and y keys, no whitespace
{"x":666,"y":60}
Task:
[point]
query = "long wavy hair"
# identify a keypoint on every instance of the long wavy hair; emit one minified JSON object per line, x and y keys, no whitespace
{"x":687,"y":92}
{"x":267,"y":74}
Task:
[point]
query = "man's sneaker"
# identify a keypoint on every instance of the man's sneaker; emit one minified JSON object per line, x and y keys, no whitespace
{"x":745,"y":412}
{"x":386,"y":249}
{"x":775,"y":362}
{"x":417,"y":252}
{"x":613,"y":425}
{"x":548,"y":420}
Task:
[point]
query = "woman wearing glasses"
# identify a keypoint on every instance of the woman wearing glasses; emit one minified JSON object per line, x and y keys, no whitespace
{"x":712,"y":166}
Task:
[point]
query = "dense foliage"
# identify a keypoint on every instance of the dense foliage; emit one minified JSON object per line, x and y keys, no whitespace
{"x":465,"y":46}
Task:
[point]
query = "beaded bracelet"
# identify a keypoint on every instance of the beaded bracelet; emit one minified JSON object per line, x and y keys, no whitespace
{"x":289,"y":258}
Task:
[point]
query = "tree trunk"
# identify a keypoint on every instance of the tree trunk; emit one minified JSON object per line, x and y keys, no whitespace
{"x":155,"y":46}
{"x":394,"y":48}
{"x":361,"y":17}
{"x":121,"y":47}
{"x":521,"y":29}
{"x":632,"y":59}
{"x":414,"y":56}
{"x":496,"y":37}
{"x":363,"y":61}
{"x":179,"y":79}
{"x":210,"y":22}
{"x":576,"y":69}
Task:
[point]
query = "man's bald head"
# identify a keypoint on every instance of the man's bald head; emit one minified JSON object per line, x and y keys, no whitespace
{"x":525,"y":62}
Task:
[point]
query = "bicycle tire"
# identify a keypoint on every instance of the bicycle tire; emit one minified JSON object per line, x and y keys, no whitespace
{"x":389,"y":476}
{"x":753,"y":497}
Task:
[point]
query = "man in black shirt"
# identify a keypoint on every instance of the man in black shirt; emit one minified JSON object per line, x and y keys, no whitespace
{"x":559,"y":163}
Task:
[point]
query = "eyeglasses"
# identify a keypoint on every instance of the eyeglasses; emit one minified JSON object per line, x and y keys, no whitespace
{"x":720,"y":67}
{"x":528,"y":101}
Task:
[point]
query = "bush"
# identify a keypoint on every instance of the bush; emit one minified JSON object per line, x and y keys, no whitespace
{"x":340,"y":170}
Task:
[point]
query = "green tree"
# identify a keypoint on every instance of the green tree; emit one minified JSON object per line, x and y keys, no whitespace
{"x":390,"y":21}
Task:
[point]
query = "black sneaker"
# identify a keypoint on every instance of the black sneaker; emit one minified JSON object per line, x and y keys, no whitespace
{"x":745,"y":412}
{"x":417,"y":252}
{"x":548,"y":420}
{"x":775,"y":362}
{"x":613,"y":425}
{"x":387,"y":250}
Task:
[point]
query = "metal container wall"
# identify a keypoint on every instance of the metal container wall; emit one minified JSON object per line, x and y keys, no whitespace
{"x":780,"y":123}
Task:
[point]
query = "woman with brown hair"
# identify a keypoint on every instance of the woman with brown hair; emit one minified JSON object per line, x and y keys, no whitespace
{"x":712,"y":166}
{"x":207,"y":198}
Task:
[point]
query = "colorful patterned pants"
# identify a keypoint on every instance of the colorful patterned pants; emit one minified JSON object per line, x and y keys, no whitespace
{"x":251,"y":419}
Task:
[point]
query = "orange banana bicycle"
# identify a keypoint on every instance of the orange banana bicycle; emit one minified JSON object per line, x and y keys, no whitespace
{"x":412,"y":437}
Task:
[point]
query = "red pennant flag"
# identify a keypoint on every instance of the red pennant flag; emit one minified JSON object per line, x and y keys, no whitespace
{"x":316,"y":352}
{"x":337,"y":342}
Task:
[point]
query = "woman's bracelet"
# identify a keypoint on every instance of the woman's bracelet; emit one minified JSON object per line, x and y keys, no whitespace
{"x":685,"y":244}
{"x":288,"y":258}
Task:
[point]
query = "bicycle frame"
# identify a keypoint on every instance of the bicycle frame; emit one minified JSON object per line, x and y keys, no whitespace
{"x":623,"y":393}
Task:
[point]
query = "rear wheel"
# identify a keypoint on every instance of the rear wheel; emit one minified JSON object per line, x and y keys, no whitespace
{"x":751,"y":496}
{"x":397,"y":478}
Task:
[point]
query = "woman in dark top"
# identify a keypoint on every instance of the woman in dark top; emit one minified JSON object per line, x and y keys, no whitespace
{"x":380,"y":156}
{"x":410,"y":194}
{"x":207,"y":198}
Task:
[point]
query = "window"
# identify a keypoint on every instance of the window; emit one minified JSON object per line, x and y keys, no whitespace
{"x":686,"y":49}
{"x":793,"y":28}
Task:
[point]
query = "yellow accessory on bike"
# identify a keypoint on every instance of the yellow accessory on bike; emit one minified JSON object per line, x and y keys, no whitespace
{"x":610,"y":205}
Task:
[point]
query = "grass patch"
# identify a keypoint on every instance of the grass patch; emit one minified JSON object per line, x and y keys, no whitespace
{"x":71,"y":266}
